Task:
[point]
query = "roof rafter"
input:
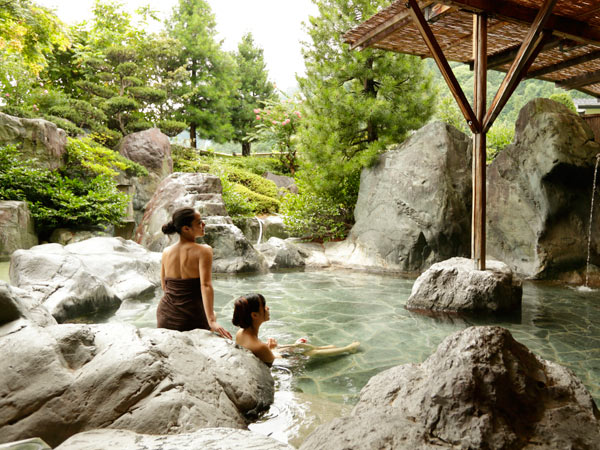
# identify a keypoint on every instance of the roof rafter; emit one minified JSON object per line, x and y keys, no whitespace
{"x":442,"y":62}
{"x":386,"y":28}
{"x":563,"y":65}
{"x":580,"y":80}
{"x":530,"y":48}
{"x":514,"y":12}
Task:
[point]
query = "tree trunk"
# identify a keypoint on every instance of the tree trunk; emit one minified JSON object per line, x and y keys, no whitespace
{"x":193,"y":135}
{"x":369,"y":89}
{"x":245,"y":148}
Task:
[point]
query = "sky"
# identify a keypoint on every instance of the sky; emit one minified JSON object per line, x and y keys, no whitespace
{"x":276,"y":26}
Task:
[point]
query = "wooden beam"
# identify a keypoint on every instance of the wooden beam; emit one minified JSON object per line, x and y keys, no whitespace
{"x":385,"y":29}
{"x":514,"y":12}
{"x":478,"y":238}
{"x":442,"y":63}
{"x":530,"y":48}
{"x":563,"y":65}
{"x":580,"y":80}
{"x":509,"y":55}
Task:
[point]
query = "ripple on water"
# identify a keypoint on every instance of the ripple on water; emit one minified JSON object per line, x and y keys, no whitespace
{"x":558,"y":324}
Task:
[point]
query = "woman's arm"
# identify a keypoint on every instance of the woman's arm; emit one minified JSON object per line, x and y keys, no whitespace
{"x":162,"y":271}
{"x":205,"y":266}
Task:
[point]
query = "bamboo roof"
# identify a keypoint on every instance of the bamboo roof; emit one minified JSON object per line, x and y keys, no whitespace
{"x":570,"y":56}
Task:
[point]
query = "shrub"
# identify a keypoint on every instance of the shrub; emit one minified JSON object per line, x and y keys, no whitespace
{"x":260,"y":203}
{"x":566,"y":99}
{"x":237,"y":204}
{"x":56,"y":200}
{"x":98,"y":160}
{"x":252,"y":181}
{"x":310,"y":216}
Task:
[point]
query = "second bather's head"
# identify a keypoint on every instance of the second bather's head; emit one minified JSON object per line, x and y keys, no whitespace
{"x":250,"y":310}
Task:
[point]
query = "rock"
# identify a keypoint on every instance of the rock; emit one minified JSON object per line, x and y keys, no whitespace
{"x":539,"y":193}
{"x":281,"y":254}
{"x":313,"y":253}
{"x":269,"y":226}
{"x":16,"y":228}
{"x":64,"y":236}
{"x":282,"y":182}
{"x":480,"y":389}
{"x":232,"y":251}
{"x":18,"y":304}
{"x":455,"y":285}
{"x":88,"y":277}
{"x":66,"y":379}
{"x":414,"y":205}
{"x":207,"y":438}
{"x":36,"y":138}
{"x":151,"y":149}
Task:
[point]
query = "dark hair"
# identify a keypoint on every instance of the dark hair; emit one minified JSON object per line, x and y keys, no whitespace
{"x":244,"y":307}
{"x":183,"y":217}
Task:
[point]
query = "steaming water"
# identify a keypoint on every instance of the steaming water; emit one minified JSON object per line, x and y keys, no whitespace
{"x":558,"y":323}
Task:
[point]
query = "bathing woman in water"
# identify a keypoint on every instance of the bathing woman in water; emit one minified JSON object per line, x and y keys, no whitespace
{"x":186,"y":276}
{"x":249,"y":312}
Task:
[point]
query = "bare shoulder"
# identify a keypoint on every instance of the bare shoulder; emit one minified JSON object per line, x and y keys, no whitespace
{"x":204,"y":249}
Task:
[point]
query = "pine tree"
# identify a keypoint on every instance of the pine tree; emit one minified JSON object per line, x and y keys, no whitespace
{"x":253,"y":90}
{"x":357,"y":102}
{"x":206,"y":97}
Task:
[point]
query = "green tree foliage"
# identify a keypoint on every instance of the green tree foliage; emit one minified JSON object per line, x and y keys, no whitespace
{"x":206,"y":95}
{"x":31,"y":32}
{"x":253,"y":90}
{"x":357,"y":102}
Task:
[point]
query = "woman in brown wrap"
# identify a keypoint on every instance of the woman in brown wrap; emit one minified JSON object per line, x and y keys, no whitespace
{"x":186,"y":275}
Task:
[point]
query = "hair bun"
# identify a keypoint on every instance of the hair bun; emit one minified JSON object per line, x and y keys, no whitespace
{"x":169,"y":228}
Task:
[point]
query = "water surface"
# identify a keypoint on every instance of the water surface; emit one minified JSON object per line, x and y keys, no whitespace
{"x":337,"y":307}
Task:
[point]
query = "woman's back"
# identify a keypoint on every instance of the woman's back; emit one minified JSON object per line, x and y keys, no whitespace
{"x":183,"y":260}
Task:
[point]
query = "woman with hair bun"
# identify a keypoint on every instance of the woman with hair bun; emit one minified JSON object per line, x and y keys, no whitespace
{"x":186,"y":276}
{"x":249,"y":312}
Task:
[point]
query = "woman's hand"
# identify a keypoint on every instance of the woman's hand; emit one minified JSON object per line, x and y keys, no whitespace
{"x":271,"y":343}
{"x":214,"y":326}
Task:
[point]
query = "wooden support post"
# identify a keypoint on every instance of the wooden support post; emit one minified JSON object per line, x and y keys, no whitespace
{"x":531,"y":46}
{"x":479,"y":141}
{"x":442,"y":63}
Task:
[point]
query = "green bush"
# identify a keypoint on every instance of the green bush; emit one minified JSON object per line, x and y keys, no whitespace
{"x":56,"y":200}
{"x":260,"y":203}
{"x":566,"y":99}
{"x":65,"y":124}
{"x":87,"y":154}
{"x":252,"y":181}
{"x":237,"y":204}
{"x":310,"y":216}
{"x":259,"y":165}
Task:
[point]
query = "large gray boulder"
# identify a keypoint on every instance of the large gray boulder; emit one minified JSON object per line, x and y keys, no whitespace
{"x":414,"y":205}
{"x":65,"y":379}
{"x":539,"y":193}
{"x":151,"y":149}
{"x":232,"y":251}
{"x":87,"y":277}
{"x":282,"y":254}
{"x":455,"y":285}
{"x":36,"y":138}
{"x":207,"y":438}
{"x":480,"y":389}
{"x":16,"y":228}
